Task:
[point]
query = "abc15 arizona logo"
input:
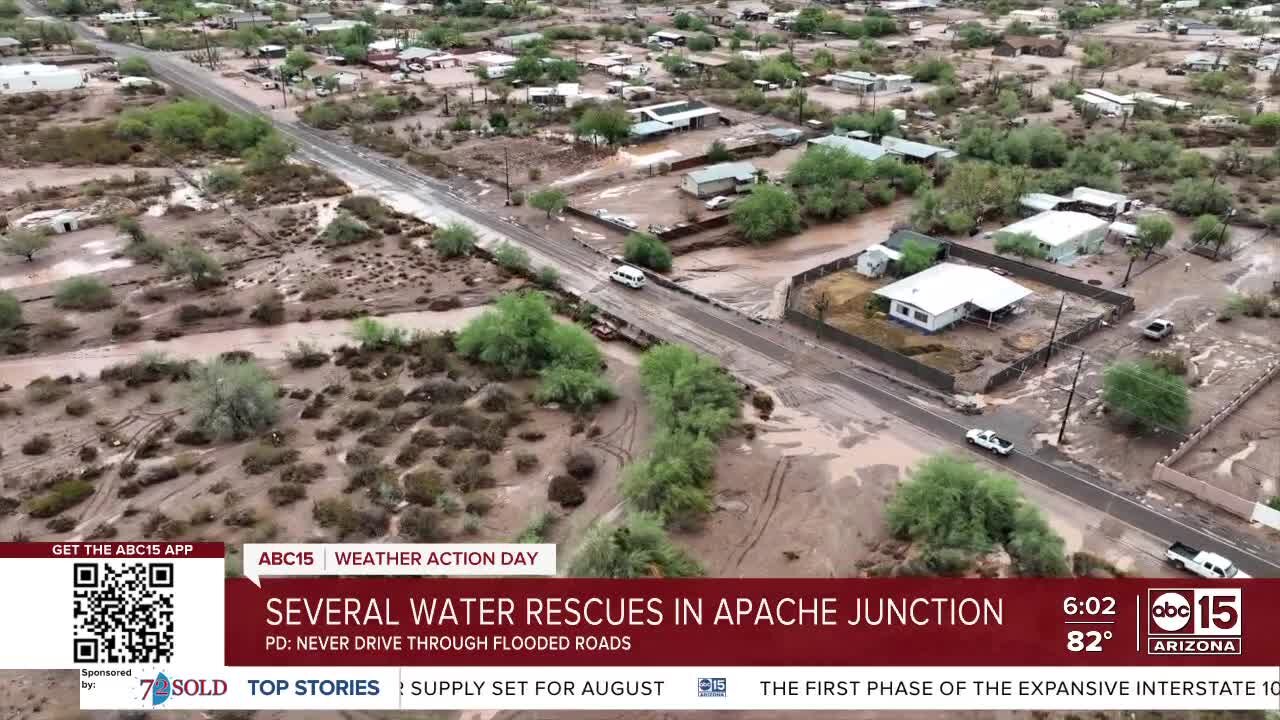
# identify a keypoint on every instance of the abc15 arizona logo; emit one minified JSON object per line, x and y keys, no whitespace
{"x":1199,"y":621}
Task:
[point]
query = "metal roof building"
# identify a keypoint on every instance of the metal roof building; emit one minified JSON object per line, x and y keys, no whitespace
{"x":946,"y":293}
{"x":1063,"y":234}
{"x":859,"y":148}
{"x":915,"y":150}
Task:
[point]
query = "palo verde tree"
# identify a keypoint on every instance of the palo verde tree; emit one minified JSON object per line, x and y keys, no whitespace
{"x":1146,"y":396}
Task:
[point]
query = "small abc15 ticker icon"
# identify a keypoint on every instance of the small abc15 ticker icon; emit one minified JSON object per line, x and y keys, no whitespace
{"x":1199,"y":621}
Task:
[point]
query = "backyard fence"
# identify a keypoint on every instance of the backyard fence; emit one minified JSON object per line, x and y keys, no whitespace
{"x":795,"y":313}
{"x":1121,"y":302}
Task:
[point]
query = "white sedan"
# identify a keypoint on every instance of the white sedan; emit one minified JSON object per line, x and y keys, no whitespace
{"x":718,"y":202}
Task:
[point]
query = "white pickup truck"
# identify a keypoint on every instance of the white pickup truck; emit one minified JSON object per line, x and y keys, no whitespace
{"x":989,"y":440}
{"x":1205,"y":564}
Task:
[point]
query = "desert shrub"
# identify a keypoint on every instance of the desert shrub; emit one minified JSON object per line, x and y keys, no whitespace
{"x":376,"y":335}
{"x":453,"y":240}
{"x":511,"y":258}
{"x":418,"y":524}
{"x":350,"y":523}
{"x":1169,"y":361}
{"x":269,"y":309}
{"x":522,"y":337}
{"x":223,"y":179}
{"x":150,"y":368}
{"x":566,"y":491}
{"x":83,"y":293}
{"x":423,"y":487}
{"x":580,"y":464}
{"x":547,"y":276}
{"x":10,"y":311}
{"x":689,"y":391}
{"x":286,"y":494}
{"x":345,"y":230}
{"x":637,"y":548}
{"x":538,"y":528}
{"x":305,"y":355}
{"x":648,"y":251}
{"x":59,"y":498}
{"x":263,"y":458}
{"x":525,"y":461}
{"x":763,"y":403}
{"x":44,"y":390}
{"x":232,"y":400}
{"x":1249,"y":304}
{"x":1023,"y":245}
{"x":576,"y":389}
{"x":302,"y":473}
{"x":320,"y":289}
{"x":191,"y":261}
{"x":37,"y":444}
{"x":79,"y":407}
{"x":673,"y":481}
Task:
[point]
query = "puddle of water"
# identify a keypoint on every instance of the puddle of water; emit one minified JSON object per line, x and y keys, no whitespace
{"x":61,"y":271}
{"x":183,"y":194}
{"x":1224,"y":467}
{"x":269,"y":343}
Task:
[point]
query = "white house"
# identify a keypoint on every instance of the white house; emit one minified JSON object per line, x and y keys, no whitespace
{"x":1160,"y":101}
{"x":721,"y":179}
{"x":489,"y":59}
{"x":1100,"y":201}
{"x":1206,"y":61}
{"x":1063,"y":234}
{"x":1257,"y":11}
{"x":515,"y":42}
{"x":911,"y":151}
{"x":895,"y":7}
{"x":861,"y":148}
{"x":1039,"y":16}
{"x":679,"y":114}
{"x":874,"y":261}
{"x":391,"y":9}
{"x":38,"y":77}
{"x":1108,"y":103}
{"x":943,"y":295}
{"x":1268,"y":63}
{"x":859,"y":82}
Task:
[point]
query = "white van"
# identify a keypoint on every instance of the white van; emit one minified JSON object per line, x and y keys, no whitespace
{"x":629,"y":276}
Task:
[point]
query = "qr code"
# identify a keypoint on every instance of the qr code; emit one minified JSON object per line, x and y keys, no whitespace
{"x":123,"y":613}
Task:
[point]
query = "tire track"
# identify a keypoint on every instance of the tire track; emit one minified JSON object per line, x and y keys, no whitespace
{"x":771,"y":499}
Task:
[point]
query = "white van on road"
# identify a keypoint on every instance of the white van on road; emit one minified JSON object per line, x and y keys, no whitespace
{"x":629,"y":276}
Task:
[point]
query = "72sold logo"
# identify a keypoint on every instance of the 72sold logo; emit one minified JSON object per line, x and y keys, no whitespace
{"x":1199,"y":621}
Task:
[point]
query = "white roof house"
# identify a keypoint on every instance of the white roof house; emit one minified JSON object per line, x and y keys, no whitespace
{"x":918,"y":151}
{"x":861,"y":148}
{"x":1063,"y":234}
{"x":946,"y":293}
{"x":38,"y":77}
{"x":1108,"y":103}
{"x":491,"y":59}
{"x":1205,"y":61}
{"x":513,"y":42}
{"x":720,"y":179}
{"x":1160,"y":100}
{"x":689,"y":114}
{"x":1113,"y":203}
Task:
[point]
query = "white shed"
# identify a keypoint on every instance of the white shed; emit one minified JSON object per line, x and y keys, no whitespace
{"x":874,"y":261}
{"x":1063,"y":234}
{"x":38,"y":77}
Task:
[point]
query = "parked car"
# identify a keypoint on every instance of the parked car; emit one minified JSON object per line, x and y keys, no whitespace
{"x":988,"y":440}
{"x":625,"y":222}
{"x":1157,"y":329}
{"x":270,"y":85}
{"x":629,"y":276}
{"x":398,"y":77}
{"x":1205,"y":564}
{"x":719,"y":201}
{"x":322,"y":91}
{"x":1175,"y":70}
{"x":603,"y":214}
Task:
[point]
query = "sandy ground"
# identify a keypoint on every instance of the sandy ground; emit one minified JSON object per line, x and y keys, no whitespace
{"x":1242,"y":454}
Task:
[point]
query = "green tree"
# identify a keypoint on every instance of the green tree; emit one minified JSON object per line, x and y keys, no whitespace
{"x":689,"y":392}
{"x":955,"y":504}
{"x":1267,"y":124}
{"x":636,"y":548}
{"x":878,"y":123}
{"x":718,"y":153}
{"x":10,"y":311}
{"x":83,"y":293}
{"x":1008,"y":104}
{"x":1271,"y":218}
{"x":25,"y":243}
{"x":647,"y":251}
{"x":549,"y":200}
{"x":232,"y":400}
{"x":134,"y":66}
{"x":766,"y":213}
{"x":298,"y":61}
{"x":933,"y":70}
{"x":916,"y":256}
{"x":197,"y":265}
{"x":1198,"y":196}
{"x":521,"y":336}
{"x":1147,"y":396}
{"x":1023,"y":245}
{"x":1210,"y":230}
{"x":453,"y":240}
{"x":1154,"y":232}
{"x":269,"y":155}
{"x":611,"y":123}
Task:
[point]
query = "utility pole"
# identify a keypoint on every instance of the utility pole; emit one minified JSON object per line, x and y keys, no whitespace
{"x":284,"y":92}
{"x":506,"y":158}
{"x":1053,"y":335}
{"x":1062,"y":429}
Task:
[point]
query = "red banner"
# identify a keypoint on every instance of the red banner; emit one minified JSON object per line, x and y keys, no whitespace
{"x":763,"y":622}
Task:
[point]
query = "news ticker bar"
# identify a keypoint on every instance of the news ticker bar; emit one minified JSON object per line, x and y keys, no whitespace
{"x":685,"y":688}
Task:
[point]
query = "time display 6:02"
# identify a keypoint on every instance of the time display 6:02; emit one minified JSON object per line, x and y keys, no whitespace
{"x":1089,"y":606}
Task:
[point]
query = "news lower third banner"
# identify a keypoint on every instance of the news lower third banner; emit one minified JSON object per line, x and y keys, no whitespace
{"x":327,"y":627}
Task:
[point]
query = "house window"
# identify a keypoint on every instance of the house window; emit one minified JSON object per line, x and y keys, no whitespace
{"x":904,"y":311}
{"x":921,"y":317}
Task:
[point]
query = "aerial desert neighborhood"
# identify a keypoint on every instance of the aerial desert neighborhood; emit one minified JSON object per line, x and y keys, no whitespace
{"x":948,"y":288}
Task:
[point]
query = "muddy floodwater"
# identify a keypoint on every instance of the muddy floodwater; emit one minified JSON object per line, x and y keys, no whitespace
{"x":269,"y":343}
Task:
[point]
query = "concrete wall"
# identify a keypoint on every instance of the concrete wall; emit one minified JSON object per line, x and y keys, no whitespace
{"x":1222,"y":414}
{"x":1266,"y":515}
{"x":1216,"y":496}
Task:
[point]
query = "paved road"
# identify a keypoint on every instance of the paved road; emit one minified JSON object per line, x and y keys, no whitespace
{"x":838,"y":389}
